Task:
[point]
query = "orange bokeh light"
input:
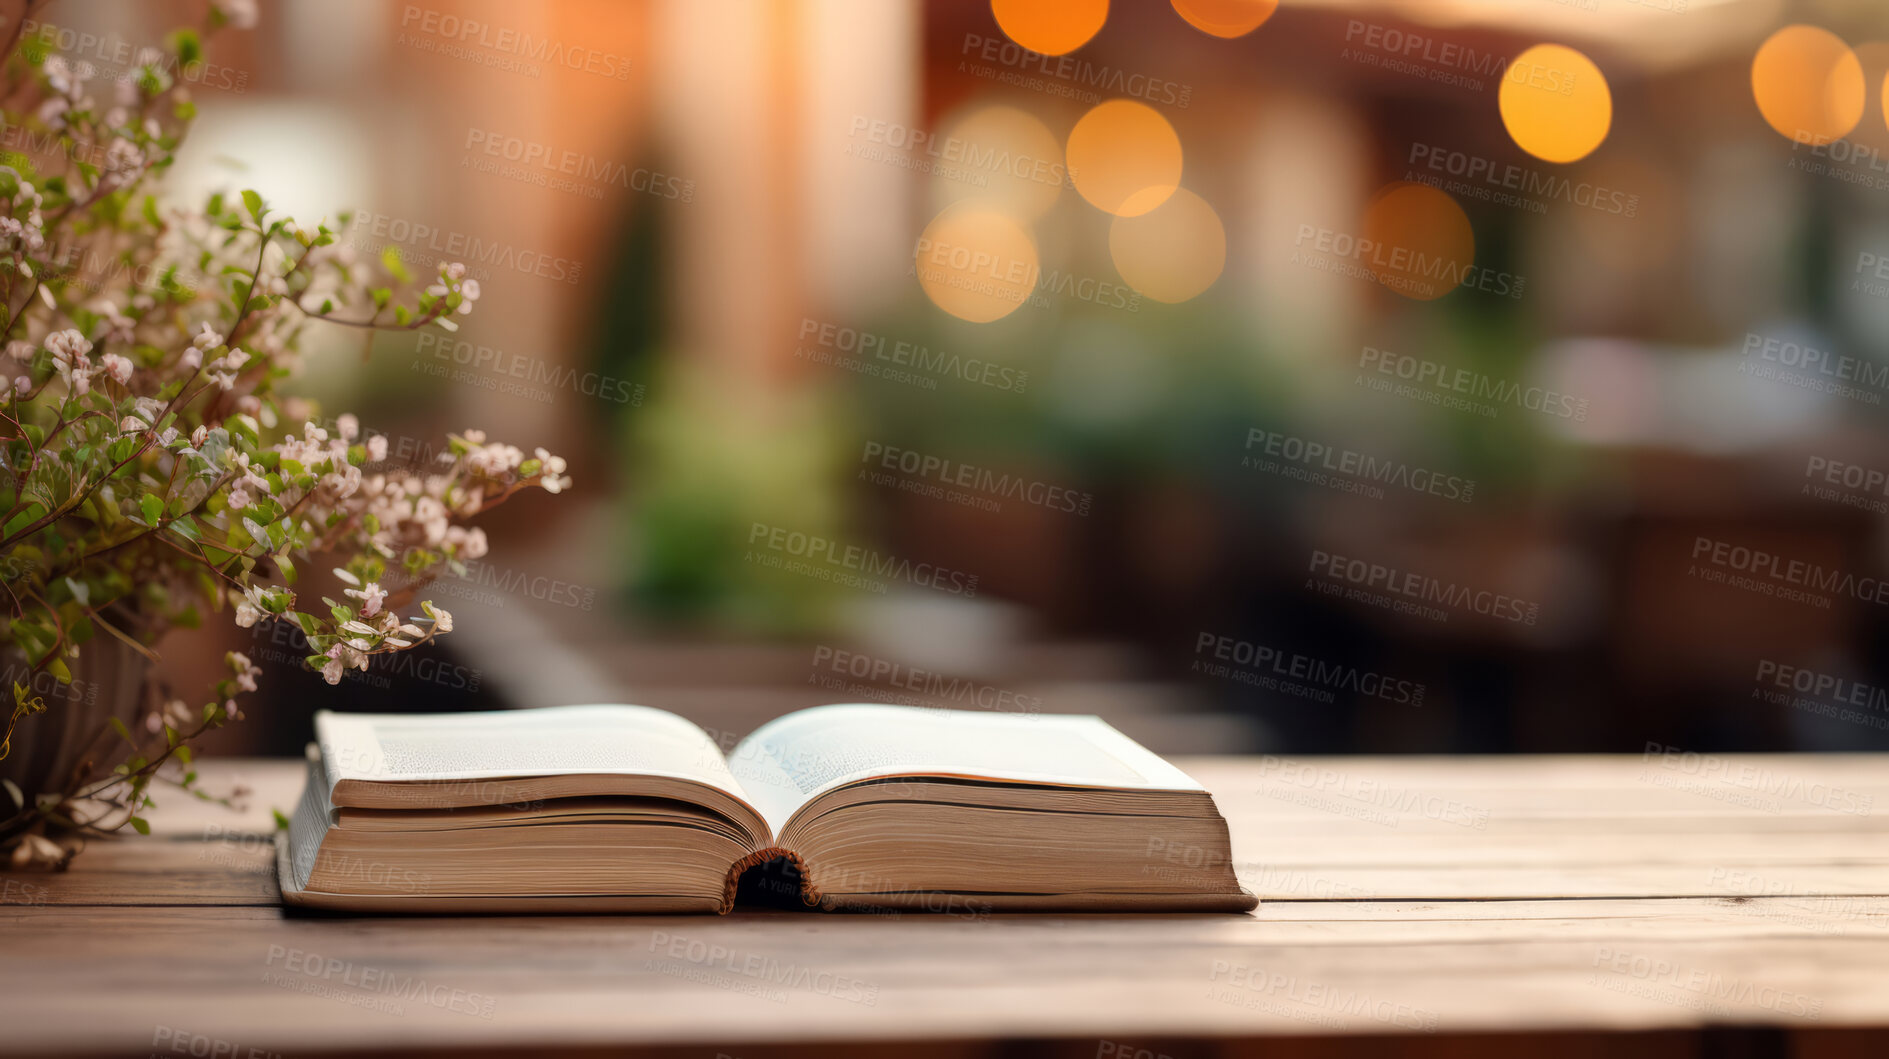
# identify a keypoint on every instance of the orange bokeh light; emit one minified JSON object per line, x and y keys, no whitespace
{"x":1174,"y":251}
{"x":1226,"y":18}
{"x":1808,"y":84}
{"x":1422,"y":244}
{"x":1555,"y":103}
{"x":976,"y":261}
{"x":1052,"y":27}
{"x":1124,"y":158}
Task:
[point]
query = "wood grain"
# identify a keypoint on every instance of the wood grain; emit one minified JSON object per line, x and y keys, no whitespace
{"x":1578,"y":898}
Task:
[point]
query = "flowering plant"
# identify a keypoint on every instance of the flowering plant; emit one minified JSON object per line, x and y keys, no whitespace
{"x":151,"y":471}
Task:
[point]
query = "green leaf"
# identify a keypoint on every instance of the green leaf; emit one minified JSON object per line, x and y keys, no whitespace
{"x":281,"y":822}
{"x":138,"y":823}
{"x":119,"y":727}
{"x":153,"y":507}
{"x":288,"y":568}
{"x":253,"y":202}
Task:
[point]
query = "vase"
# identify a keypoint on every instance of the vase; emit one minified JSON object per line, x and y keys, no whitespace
{"x":108,"y":681}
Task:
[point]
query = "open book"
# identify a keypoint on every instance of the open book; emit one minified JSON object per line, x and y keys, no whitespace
{"x":627,"y":808}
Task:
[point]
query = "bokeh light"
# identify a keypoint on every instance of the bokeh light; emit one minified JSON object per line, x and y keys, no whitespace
{"x":976,"y":261}
{"x":1124,"y":158}
{"x":1053,"y":27}
{"x":1422,"y":244}
{"x":1808,"y":84}
{"x":1226,"y":18}
{"x":1002,"y":154}
{"x":1172,"y":252}
{"x":1555,"y":103}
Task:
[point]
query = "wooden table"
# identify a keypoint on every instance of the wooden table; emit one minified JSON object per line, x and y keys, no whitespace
{"x":1736,"y":904}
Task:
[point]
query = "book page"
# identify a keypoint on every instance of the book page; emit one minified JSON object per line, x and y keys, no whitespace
{"x":791,"y":760}
{"x":556,"y":740}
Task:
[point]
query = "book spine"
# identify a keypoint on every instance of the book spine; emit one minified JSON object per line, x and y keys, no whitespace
{"x":808,"y":894}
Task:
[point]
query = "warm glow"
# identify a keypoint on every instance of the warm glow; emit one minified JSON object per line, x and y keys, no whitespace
{"x":1172,"y":252}
{"x":1226,"y":18}
{"x":1808,"y":84}
{"x":1052,"y":27}
{"x":1124,"y":158}
{"x":976,"y":261}
{"x":1004,"y":155}
{"x":1555,"y":103}
{"x":1421,"y":243}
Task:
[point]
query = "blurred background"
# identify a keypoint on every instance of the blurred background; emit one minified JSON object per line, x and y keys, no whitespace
{"x":1327,"y":376}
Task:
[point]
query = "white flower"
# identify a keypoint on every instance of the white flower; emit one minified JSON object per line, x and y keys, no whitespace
{"x":442,"y":620}
{"x":131,"y":424}
{"x":192,"y":358}
{"x":331,"y":669}
{"x":68,"y":346}
{"x":371,"y":598}
{"x":225,"y":380}
{"x":199,"y":436}
{"x":239,"y":497}
{"x":247,"y":615}
{"x":241,"y":13}
{"x":469,"y":290}
{"x":20,"y":349}
{"x":119,"y":368}
{"x":377,"y":448}
{"x":553,"y":464}
{"x":245,"y":670}
{"x":453,"y":271}
{"x":348,"y":426}
{"x":22,"y":384}
{"x":207,"y":338}
{"x":37,"y":851}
